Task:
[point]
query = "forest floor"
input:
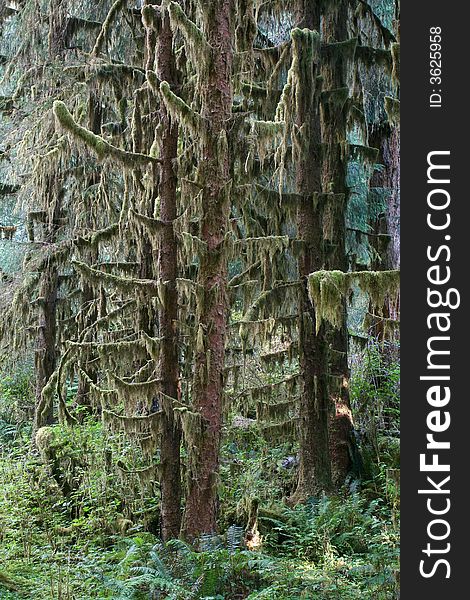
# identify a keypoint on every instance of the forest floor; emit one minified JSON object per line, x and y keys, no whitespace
{"x":83,"y":527}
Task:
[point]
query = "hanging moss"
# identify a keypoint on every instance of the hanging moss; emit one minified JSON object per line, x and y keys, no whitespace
{"x":280,"y":357}
{"x":127,"y":284}
{"x":379,"y":285}
{"x":153,"y":226}
{"x":102,"y":148}
{"x":192,"y":245}
{"x":328,"y":289}
{"x":121,"y":349}
{"x":273,"y":411}
{"x":375,"y":56}
{"x":117,"y":6}
{"x":134,"y":394}
{"x":189,"y":119}
{"x":273,"y":432}
{"x":151,"y":15}
{"x":153,"y":345}
{"x":134,"y":425}
{"x":336,"y":51}
{"x":194,"y":429}
{"x":264,"y":247}
{"x":363,"y":154}
{"x":198,"y":49}
{"x":336,"y":99}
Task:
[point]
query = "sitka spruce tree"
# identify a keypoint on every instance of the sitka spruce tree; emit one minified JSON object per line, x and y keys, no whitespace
{"x":207,"y":193}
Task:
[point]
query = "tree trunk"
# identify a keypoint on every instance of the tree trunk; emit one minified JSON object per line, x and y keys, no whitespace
{"x":90,"y":256}
{"x":217,"y":96}
{"x":45,"y":356}
{"x":314,"y":468}
{"x":168,"y":314}
{"x":334,"y":132}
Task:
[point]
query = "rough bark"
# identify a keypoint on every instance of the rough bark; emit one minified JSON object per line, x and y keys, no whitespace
{"x":314,"y":468}
{"x":45,"y":353}
{"x":334,"y":129}
{"x":169,"y":364}
{"x":217,"y":96}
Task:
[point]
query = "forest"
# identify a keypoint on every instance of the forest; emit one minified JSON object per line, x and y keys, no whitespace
{"x":199,"y":299}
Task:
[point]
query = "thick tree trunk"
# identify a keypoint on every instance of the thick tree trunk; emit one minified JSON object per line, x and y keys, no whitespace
{"x":168,"y":314}
{"x":217,"y":96}
{"x":314,"y":468}
{"x":334,"y":131}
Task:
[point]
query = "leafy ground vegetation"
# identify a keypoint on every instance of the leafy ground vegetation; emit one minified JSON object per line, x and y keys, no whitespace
{"x":78,"y":526}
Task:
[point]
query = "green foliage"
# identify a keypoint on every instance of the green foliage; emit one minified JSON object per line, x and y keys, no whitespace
{"x":375,"y":386}
{"x":16,"y":405}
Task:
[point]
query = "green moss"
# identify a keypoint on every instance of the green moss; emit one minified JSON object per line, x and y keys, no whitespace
{"x":182,"y":112}
{"x":106,"y":25}
{"x":198,"y":49}
{"x":329,"y":289}
{"x":102,"y":148}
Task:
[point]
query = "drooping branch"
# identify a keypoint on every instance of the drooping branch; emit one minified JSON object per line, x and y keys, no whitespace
{"x":124,"y":283}
{"x":328,"y":289}
{"x":102,"y":148}
{"x":182,"y":112}
{"x":199,"y":49}
{"x":106,"y":25}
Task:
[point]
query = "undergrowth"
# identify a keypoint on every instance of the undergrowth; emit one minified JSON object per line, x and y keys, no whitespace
{"x":80,"y":526}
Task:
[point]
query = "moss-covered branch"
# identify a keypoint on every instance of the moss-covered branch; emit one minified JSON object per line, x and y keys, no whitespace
{"x":180,"y":111}
{"x":124,"y":283}
{"x":117,"y":6}
{"x":102,"y":148}
{"x":328,"y":289}
{"x":197,"y":46}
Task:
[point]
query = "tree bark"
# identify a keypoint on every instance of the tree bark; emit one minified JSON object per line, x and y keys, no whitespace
{"x":168,"y":314}
{"x":45,"y":355}
{"x":334,"y":132}
{"x":314,"y":468}
{"x":217,"y":97}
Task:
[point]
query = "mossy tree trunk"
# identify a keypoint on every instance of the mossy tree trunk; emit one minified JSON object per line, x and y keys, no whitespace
{"x":214,"y":172}
{"x":46,"y":350}
{"x":334,"y":72}
{"x":314,"y":468}
{"x":168,"y":313}
{"x":90,"y":256}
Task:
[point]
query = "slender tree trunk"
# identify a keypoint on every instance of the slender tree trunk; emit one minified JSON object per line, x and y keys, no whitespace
{"x":217,"y":96}
{"x":168,"y":314}
{"x":45,"y":356}
{"x":314,"y":468}
{"x":90,"y":256}
{"x":45,"y":360}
